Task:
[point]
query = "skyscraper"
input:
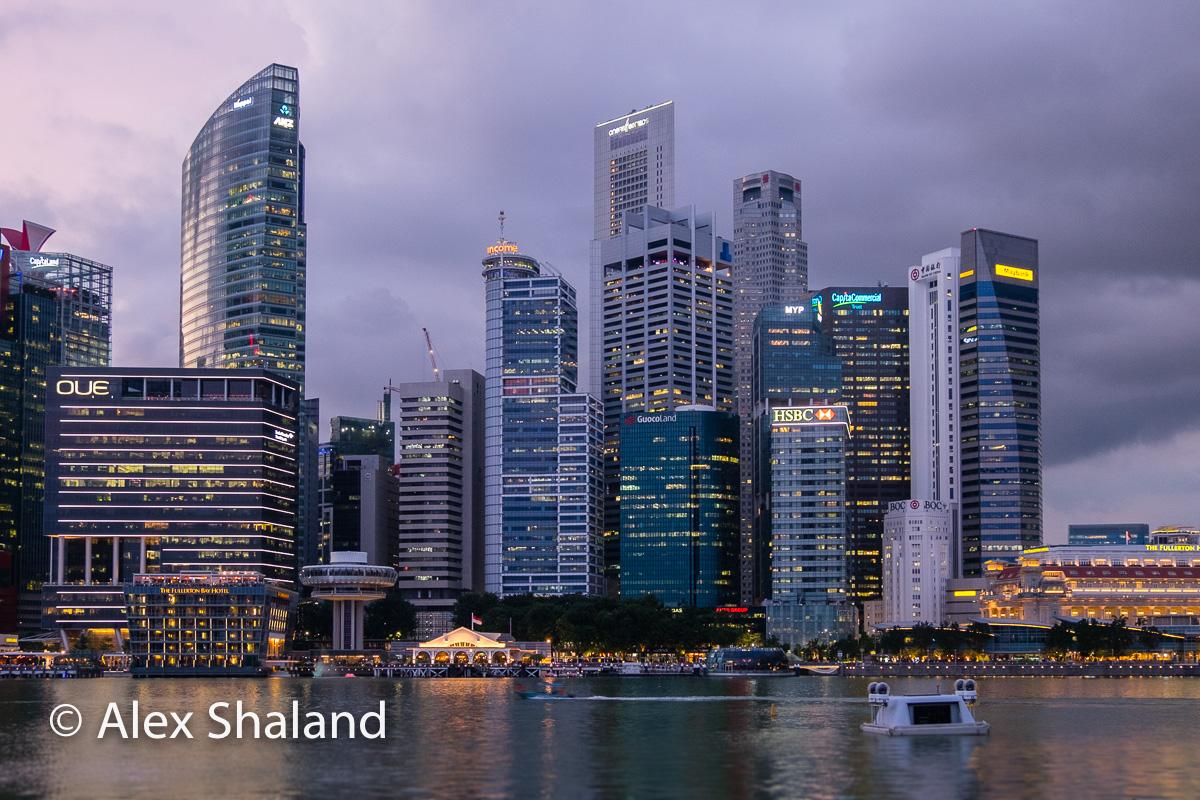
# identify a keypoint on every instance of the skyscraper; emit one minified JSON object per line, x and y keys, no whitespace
{"x":543,"y":487}
{"x":770,"y":266}
{"x":634,"y":165}
{"x":440,"y":465}
{"x":663,"y":335}
{"x":794,"y":364}
{"x":242,"y":287}
{"x":679,"y":497}
{"x":55,"y":309}
{"x":869,"y":328}
{"x":1000,"y":385}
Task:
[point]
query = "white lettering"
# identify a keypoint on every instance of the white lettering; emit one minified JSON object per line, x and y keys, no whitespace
{"x":245,"y":101}
{"x":628,"y":126}
{"x":284,"y":122}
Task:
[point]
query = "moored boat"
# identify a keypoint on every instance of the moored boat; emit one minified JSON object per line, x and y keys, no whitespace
{"x":924,"y":715}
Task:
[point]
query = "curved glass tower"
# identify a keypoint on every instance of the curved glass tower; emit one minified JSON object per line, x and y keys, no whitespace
{"x":243,"y":233}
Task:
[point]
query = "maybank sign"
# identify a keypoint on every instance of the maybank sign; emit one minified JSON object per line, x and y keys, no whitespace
{"x":810,"y":415}
{"x":1016,"y":273}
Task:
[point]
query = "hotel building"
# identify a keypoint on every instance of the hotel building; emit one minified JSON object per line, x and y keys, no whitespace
{"x":165,"y":471}
{"x":1000,"y":390}
{"x":663,"y":335}
{"x":679,"y":507}
{"x":770,"y":267}
{"x":869,"y":328}
{"x":440,"y":466}
{"x":543,"y":491}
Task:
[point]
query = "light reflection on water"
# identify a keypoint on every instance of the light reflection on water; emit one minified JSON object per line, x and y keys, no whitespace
{"x":619,"y":737}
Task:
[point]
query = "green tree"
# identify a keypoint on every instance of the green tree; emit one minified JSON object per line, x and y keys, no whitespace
{"x":391,"y":617}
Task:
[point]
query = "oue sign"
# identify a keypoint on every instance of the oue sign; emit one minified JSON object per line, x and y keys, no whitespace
{"x":68,"y":387}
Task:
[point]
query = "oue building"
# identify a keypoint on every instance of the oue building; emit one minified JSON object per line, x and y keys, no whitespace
{"x":679,"y":507}
{"x":167,"y":471}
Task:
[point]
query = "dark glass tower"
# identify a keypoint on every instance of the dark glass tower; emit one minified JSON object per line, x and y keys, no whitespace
{"x":242,"y":289}
{"x":794,"y":364}
{"x":1000,"y":387}
{"x":679,"y":507}
{"x":869,"y":328}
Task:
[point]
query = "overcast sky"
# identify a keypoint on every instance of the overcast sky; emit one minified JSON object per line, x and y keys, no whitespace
{"x":1075,"y":123}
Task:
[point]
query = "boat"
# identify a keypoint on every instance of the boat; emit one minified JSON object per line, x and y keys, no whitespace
{"x":630,"y":668}
{"x":924,"y":715}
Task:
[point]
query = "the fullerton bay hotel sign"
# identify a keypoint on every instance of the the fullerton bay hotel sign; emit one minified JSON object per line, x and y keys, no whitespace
{"x":810,"y":415}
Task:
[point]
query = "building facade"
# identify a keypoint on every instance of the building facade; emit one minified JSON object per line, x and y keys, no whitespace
{"x":55,"y":309}
{"x":634,"y":159}
{"x":440,"y":466}
{"x":543,"y":504}
{"x":244,"y":254}
{"x":1000,"y":404}
{"x":165,"y":471}
{"x":1108,"y":533}
{"x":663,"y":334}
{"x":679,"y":509}
{"x":918,"y":562}
{"x":770,"y":267}
{"x":808,"y":511}
{"x":869,"y":328}
{"x":360,"y":507}
{"x":794,"y":364}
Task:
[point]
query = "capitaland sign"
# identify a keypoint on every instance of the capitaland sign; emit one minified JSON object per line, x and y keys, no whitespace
{"x":75,"y":387}
{"x":855,"y":298}
{"x":810,"y":415}
{"x":629,"y":126}
{"x":42,"y":261}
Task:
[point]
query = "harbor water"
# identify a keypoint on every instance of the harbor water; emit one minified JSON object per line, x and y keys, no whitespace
{"x":632,"y":737}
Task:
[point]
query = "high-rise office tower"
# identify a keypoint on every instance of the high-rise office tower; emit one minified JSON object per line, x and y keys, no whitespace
{"x":679,"y":498}
{"x":308,"y":512}
{"x":358,"y":495}
{"x":794,"y":364}
{"x":242,"y":287}
{"x":770,"y":266}
{"x":634,"y":165}
{"x":921,"y":532}
{"x":663,"y":335}
{"x":809,"y":445}
{"x":543,"y":495}
{"x":440,"y":460}
{"x":1000,"y":386}
{"x":55,"y":309}
{"x":165,"y":470}
{"x":869,"y":328}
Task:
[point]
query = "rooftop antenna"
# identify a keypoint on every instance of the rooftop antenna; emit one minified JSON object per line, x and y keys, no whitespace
{"x":502,"y":217}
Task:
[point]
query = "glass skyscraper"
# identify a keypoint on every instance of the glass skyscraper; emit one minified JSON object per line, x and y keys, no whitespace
{"x":794,"y":364}
{"x":1000,"y":385}
{"x":242,"y":289}
{"x":770,"y":266}
{"x":869,"y":328}
{"x":679,"y":507}
{"x":543,"y":494}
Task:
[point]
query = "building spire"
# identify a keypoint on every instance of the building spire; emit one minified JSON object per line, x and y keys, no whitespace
{"x":502,"y":218}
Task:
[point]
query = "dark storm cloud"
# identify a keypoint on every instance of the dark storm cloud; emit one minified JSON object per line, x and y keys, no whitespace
{"x":1072,"y":122}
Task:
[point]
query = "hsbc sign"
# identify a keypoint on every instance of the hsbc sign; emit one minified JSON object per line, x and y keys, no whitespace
{"x":810,"y":415}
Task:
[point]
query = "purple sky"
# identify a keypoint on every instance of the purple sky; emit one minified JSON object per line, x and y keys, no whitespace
{"x":1074,"y":123}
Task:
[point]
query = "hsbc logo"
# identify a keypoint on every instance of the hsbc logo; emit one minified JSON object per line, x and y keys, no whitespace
{"x":810,"y":415}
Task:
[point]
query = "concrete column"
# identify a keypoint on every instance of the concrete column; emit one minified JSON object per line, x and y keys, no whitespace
{"x":61,"y":542}
{"x":116,"y":561}
{"x":142,"y":559}
{"x":87,"y":561}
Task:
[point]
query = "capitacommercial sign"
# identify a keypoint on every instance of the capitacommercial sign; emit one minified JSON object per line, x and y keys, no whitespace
{"x":840,"y":299}
{"x":810,"y":415}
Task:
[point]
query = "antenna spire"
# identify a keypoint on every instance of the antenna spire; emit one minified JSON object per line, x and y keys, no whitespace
{"x":502,"y":218}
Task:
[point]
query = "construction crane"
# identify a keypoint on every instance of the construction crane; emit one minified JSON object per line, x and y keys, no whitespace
{"x":437,"y":373}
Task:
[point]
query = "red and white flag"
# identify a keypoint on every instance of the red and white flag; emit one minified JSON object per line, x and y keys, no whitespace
{"x":475,"y":621}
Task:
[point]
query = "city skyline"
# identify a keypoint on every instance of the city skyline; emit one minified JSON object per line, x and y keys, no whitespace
{"x":1098,"y":365}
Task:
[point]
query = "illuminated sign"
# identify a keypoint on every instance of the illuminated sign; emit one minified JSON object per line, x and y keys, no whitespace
{"x":793,"y":309}
{"x":286,"y":110}
{"x":732,"y":610}
{"x":284,"y":122}
{"x":854,"y":298}
{"x":1017,"y":273}
{"x":924,"y":271}
{"x":810,"y":415}
{"x":628,"y":126}
{"x":284,"y":436}
{"x":966,"y":273}
{"x":76,"y":388}
{"x":245,"y":101}
{"x":818,"y":306}
{"x":503,"y":248}
{"x":918,"y":505}
{"x":42,"y":261}
{"x":966,"y":592}
{"x":659,"y":418}
{"x":1173,"y":548}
